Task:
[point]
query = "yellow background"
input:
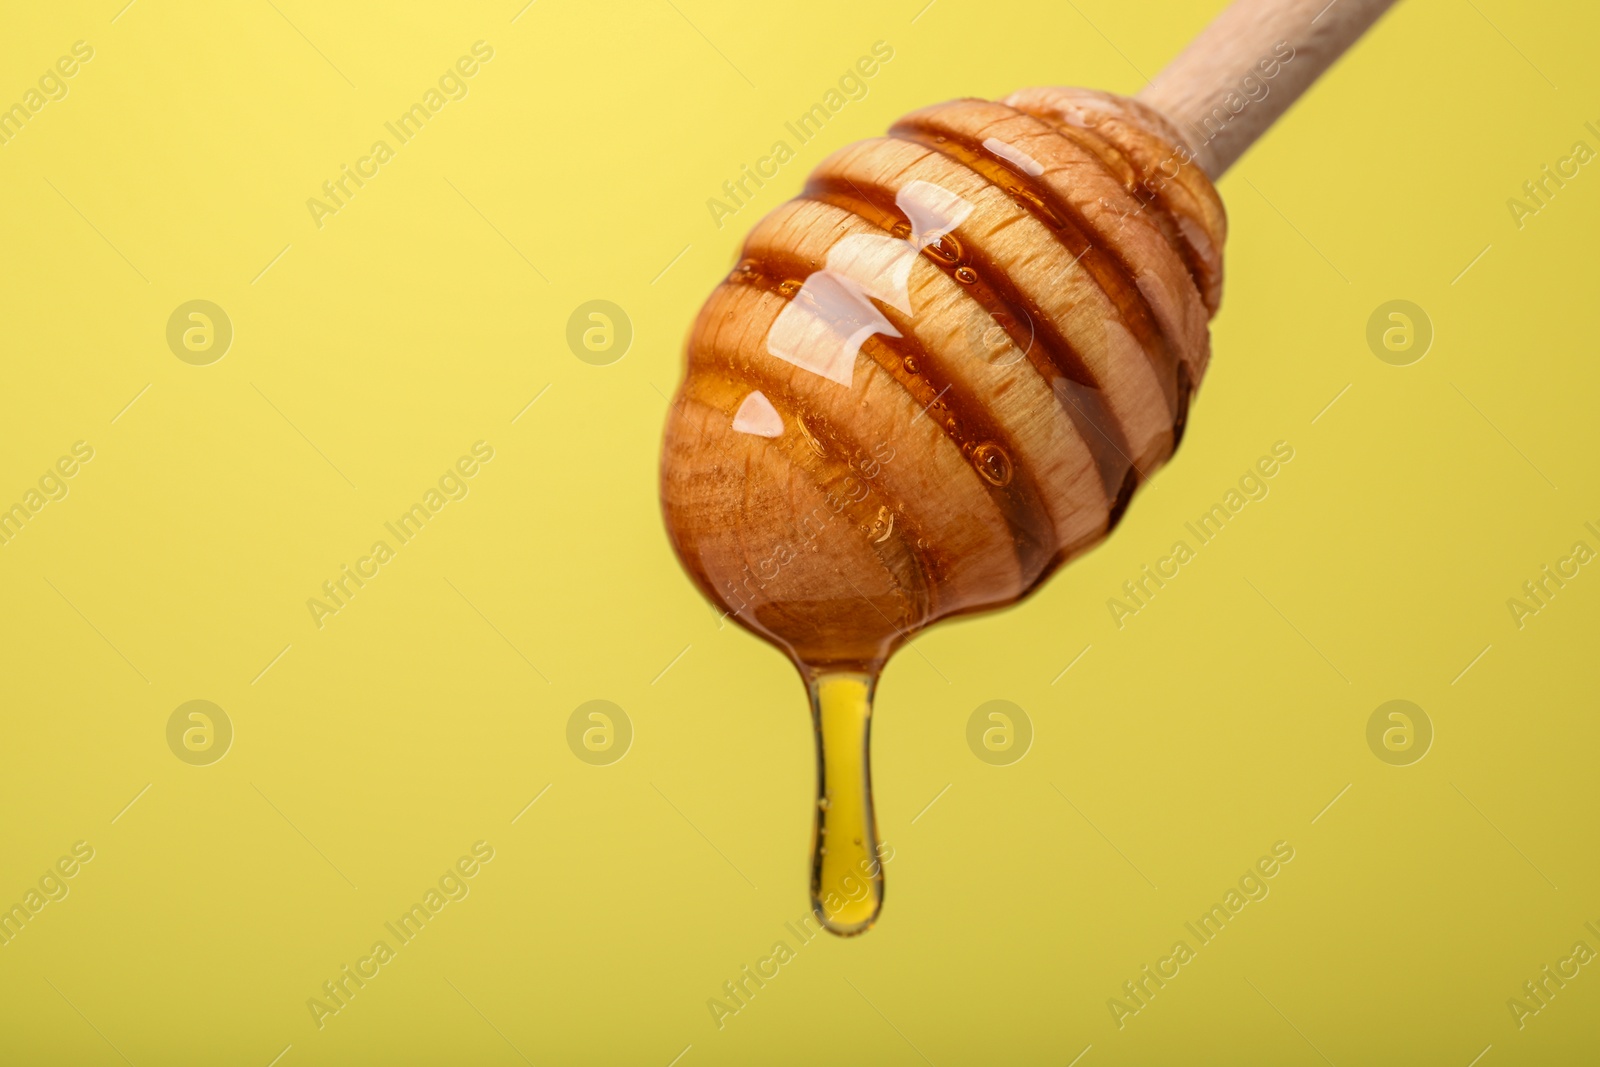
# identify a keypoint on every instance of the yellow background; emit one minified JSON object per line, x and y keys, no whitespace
{"x":377,"y":749}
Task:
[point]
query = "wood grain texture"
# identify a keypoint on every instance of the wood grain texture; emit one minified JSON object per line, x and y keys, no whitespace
{"x":1231,"y":83}
{"x":942,"y":370}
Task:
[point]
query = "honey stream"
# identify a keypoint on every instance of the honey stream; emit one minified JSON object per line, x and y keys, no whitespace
{"x":846,"y":874}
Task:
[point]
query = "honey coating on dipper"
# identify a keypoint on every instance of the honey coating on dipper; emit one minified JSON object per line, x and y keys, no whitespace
{"x":932,"y":378}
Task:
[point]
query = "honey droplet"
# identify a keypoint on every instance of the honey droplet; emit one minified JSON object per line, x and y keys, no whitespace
{"x":910,"y":364}
{"x":946,"y":250}
{"x":966,"y":275}
{"x":788,"y":287}
{"x":993,"y":463}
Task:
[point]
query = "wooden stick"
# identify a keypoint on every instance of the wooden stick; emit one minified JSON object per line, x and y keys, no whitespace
{"x":1249,"y":66}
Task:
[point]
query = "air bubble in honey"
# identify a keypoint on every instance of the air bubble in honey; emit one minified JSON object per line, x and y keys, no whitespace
{"x":993,"y":463}
{"x":946,"y":250}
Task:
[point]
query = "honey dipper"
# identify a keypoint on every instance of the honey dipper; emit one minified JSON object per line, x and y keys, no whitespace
{"x":943,"y":369}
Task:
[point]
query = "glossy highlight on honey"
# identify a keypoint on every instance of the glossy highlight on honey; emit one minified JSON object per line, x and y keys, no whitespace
{"x":932,"y":378}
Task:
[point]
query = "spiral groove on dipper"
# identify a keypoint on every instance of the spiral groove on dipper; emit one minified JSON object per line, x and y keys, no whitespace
{"x":967,"y":342}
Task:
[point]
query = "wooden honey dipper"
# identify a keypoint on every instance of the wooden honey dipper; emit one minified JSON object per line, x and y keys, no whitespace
{"x":942,"y":370}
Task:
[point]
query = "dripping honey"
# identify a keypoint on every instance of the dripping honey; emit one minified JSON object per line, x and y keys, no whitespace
{"x":1103,"y":378}
{"x":846,"y":875}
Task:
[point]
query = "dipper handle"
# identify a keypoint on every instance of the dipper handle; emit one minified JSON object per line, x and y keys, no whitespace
{"x":1201,"y":90}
